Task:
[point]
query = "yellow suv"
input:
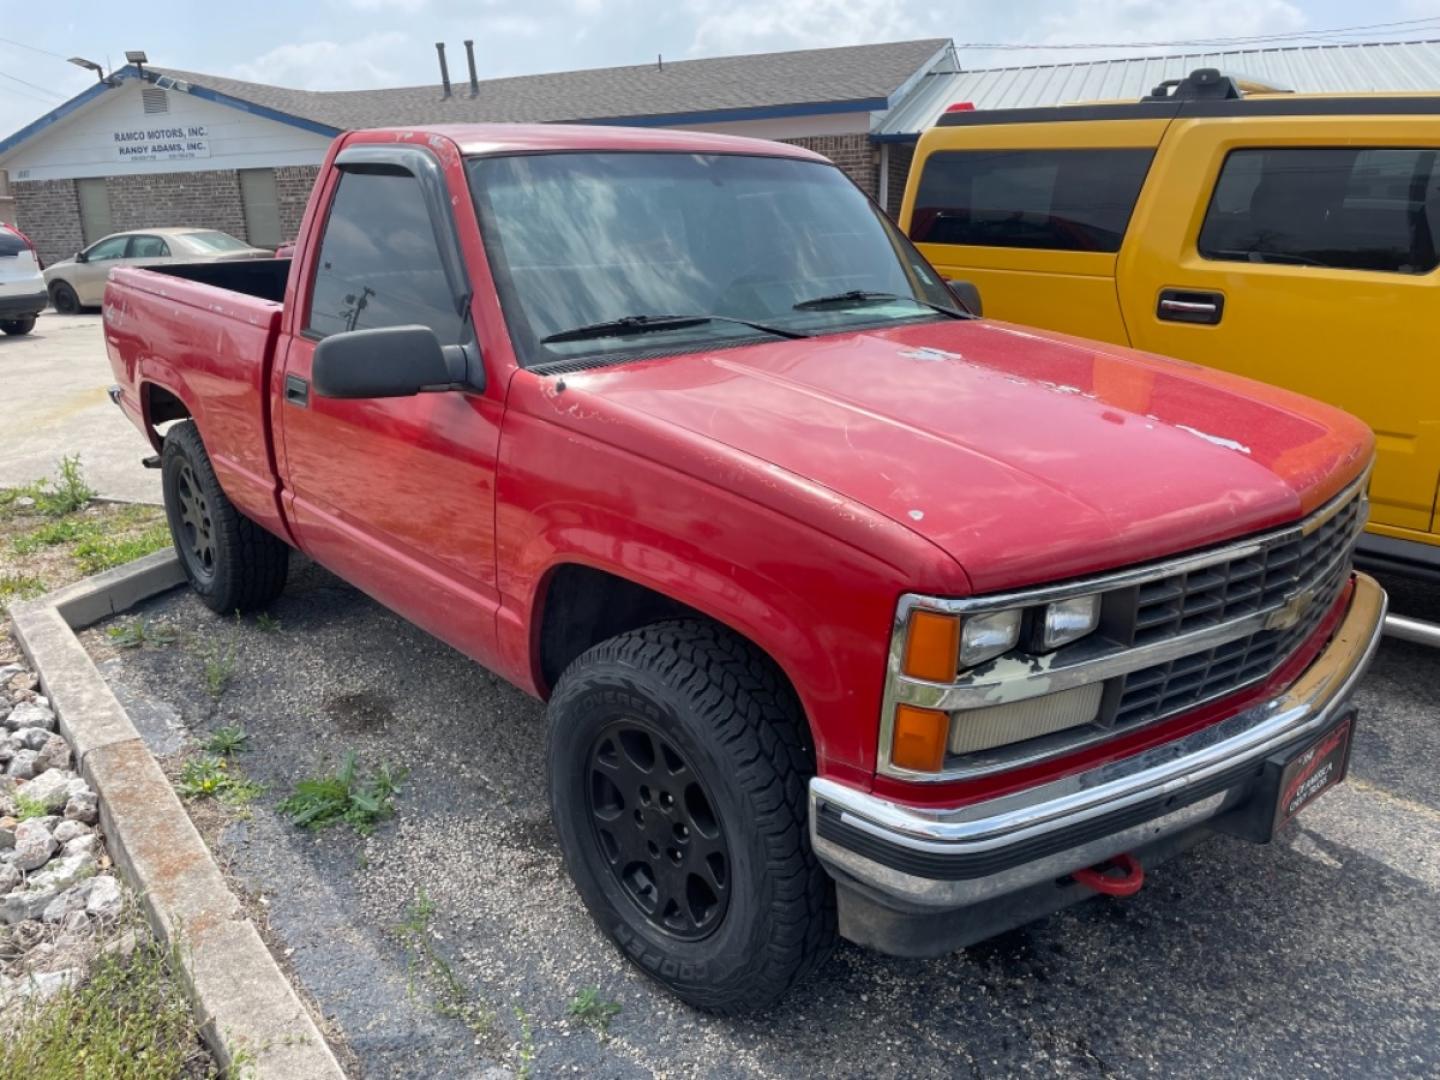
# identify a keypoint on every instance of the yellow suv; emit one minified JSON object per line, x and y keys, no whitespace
{"x":1291,"y":238}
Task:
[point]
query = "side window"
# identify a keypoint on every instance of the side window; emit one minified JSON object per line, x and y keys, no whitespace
{"x":1344,"y":207}
{"x":148,"y":247}
{"x":113,"y":248}
{"x":379,"y":262}
{"x":1063,"y":200}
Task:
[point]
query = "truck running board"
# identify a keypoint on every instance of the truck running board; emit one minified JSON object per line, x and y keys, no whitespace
{"x":151,"y":462}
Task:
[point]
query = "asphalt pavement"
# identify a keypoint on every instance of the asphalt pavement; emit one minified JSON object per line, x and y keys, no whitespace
{"x":1317,"y":955}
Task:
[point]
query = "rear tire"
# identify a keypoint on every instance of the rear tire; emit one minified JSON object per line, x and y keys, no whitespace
{"x":16,"y":327}
{"x":678,"y":767}
{"x":64,"y":299}
{"x":232,"y":563}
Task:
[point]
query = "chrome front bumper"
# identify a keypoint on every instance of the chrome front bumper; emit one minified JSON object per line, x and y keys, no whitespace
{"x":930,"y":860}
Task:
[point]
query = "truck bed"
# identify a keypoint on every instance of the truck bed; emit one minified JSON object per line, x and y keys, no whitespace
{"x":207,"y":331}
{"x":261,"y":278}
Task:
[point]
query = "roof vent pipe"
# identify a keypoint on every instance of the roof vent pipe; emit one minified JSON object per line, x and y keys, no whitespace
{"x":444,"y":69}
{"x":470,"y":58}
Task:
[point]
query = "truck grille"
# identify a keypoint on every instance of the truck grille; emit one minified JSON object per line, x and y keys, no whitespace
{"x":1316,"y":564}
{"x":1181,"y":684}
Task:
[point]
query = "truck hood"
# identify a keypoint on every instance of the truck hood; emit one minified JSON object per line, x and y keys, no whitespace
{"x":1026,"y":456}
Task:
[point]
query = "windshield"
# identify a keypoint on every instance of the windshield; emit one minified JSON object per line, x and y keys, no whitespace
{"x":579,"y":239}
{"x":213,"y":240}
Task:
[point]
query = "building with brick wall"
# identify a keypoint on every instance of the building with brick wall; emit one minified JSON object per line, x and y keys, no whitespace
{"x":156,"y":147}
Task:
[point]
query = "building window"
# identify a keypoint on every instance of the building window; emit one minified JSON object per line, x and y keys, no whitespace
{"x":1345,"y":207}
{"x":1063,"y":200}
{"x":94,"y":197}
{"x":261,"y":205}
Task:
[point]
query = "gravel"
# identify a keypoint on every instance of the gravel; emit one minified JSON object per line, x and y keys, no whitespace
{"x":58,"y":897}
{"x":1315,"y":955}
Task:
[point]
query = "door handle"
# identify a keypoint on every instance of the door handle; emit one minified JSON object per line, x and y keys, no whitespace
{"x":297,"y":391}
{"x":1181,"y":305}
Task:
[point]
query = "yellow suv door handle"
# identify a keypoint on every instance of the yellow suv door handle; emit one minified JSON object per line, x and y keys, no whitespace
{"x":1181,"y":305}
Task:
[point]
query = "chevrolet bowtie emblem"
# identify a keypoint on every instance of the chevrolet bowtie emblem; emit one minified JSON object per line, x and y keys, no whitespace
{"x":1294,"y":610}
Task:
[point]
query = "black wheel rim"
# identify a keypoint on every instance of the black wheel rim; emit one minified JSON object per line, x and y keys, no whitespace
{"x":657,"y":830}
{"x":196,"y":529}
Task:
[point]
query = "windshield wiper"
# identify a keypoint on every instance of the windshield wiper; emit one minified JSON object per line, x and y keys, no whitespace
{"x":859,"y":297}
{"x":650,"y":324}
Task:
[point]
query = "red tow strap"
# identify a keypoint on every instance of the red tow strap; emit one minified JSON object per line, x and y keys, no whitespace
{"x":1100,"y":878}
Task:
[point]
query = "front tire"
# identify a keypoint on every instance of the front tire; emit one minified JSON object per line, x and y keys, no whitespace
{"x":64,"y":299}
{"x":678,"y":767}
{"x":232,"y":563}
{"x":16,"y":327}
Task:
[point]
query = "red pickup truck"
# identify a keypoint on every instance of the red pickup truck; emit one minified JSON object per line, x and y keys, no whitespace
{"x":854,"y":613}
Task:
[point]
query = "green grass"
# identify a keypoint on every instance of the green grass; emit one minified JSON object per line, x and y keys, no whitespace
{"x":344,"y":796}
{"x":227,"y":741}
{"x":129,"y":1021}
{"x":592,"y":1010}
{"x":267,"y":622}
{"x":27,"y":808}
{"x":105,"y":551}
{"x":54,"y":533}
{"x":211,"y":777}
{"x":19,"y":587}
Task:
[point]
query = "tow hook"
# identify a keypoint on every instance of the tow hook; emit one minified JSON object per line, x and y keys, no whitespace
{"x":1102,"y":879}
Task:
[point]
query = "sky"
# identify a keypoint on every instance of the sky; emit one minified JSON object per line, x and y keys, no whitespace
{"x":360,"y":44}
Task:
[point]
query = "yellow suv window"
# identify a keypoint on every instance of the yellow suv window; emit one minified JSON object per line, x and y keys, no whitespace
{"x":1341,"y":207}
{"x":1061,"y":200}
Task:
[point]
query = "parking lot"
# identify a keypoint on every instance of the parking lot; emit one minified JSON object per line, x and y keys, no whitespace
{"x":1314,"y":956}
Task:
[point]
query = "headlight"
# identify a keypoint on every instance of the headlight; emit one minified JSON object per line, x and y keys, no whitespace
{"x":1065,"y":621}
{"x":984,"y":637}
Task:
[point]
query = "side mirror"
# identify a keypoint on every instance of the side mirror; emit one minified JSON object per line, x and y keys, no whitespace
{"x":389,"y":361}
{"x":80,"y":256}
{"x":968,"y":295}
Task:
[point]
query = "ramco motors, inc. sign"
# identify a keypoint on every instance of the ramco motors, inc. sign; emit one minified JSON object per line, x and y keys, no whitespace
{"x":162,"y":143}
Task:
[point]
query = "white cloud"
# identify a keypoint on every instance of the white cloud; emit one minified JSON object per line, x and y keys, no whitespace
{"x":755,"y":25}
{"x":1160,"y":21}
{"x":374,"y":60}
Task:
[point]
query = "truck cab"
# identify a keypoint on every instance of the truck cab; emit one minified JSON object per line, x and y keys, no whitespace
{"x":1290,"y":238}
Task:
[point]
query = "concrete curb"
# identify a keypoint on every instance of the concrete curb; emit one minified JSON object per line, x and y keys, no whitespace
{"x":246,"y":1007}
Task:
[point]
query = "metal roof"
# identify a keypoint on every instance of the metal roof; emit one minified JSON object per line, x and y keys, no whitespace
{"x":1350,"y":68}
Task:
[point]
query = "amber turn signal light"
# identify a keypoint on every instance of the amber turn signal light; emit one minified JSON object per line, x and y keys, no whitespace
{"x":932,"y":645}
{"x":919,"y":739}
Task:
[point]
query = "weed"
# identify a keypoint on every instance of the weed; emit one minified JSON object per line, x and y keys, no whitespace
{"x":19,"y":587}
{"x":227,"y":741}
{"x":592,"y":1010}
{"x":132,"y":633}
{"x":212,"y":777}
{"x":526,"y":1050}
{"x":104,"y":551}
{"x":360,"y":802}
{"x":27,"y":808}
{"x":453,"y":999}
{"x":67,"y":494}
{"x":129,"y":1019}
{"x":219,"y":669}
{"x":267,"y":623}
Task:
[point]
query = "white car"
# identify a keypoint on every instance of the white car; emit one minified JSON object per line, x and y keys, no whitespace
{"x":22,"y":286}
{"x":80,"y":281}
